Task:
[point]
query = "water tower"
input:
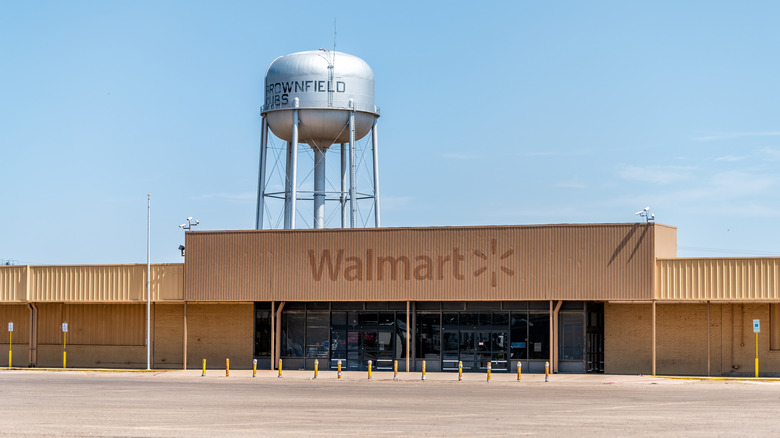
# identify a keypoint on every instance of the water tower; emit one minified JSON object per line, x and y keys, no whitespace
{"x":319,"y":98}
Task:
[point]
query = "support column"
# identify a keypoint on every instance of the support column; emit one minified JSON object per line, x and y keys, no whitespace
{"x":343,"y":197}
{"x":653,"y":340}
{"x":261,"y":176}
{"x":407,"y":337}
{"x":556,"y":334}
{"x":278,"y":334}
{"x":375,"y":144}
{"x":273,"y":337}
{"x":319,"y":188}
{"x":184,"y":339}
{"x":33,"y":359}
{"x":287,"y":185}
{"x":708,"y":339}
{"x":552,"y":337}
{"x":294,"y":164}
{"x":352,"y":166}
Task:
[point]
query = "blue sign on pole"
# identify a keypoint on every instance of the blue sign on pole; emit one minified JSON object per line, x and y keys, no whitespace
{"x":756,"y":326}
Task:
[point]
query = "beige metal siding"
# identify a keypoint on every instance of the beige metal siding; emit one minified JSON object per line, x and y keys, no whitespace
{"x":13,"y":283}
{"x":571,"y":262}
{"x":721,"y":279}
{"x":18,"y":314}
{"x":105,"y":283}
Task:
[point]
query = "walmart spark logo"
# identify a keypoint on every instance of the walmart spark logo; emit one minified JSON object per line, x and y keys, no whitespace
{"x":492,"y":261}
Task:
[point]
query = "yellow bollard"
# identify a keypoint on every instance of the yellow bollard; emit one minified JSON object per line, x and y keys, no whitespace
{"x":64,"y":359}
{"x":254,"y":367}
{"x":316,"y":367}
{"x":339,"y":375}
{"x":280,"y":369}
{"x":460,"y":371}
{"x":369,"y":370}
{"x":204,"y":368}
{"x":546,"y":372}
{"x":10,"y":351}
{"x":395,"y":370}
{"x":227,"y":367}
{"x":10,"y":359}
{"x":756,"y":354}
{"x":488,"y":372}
{"x":423,"y":371}
{"x":519,"y":370}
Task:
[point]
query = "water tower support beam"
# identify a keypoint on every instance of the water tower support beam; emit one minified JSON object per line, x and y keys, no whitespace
{"x":352,"y":176}
{"x":375,"y":148}
{"x":319,"y":188}
{"x":261,"y":175}
{"x":287,"y":185}
{"x":294,"y":165}
{"x":343,"y":197}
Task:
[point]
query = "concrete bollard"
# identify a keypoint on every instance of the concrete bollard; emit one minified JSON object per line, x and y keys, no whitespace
{"x":488,"y":372}
{"x":395,"y":370}
{"x":546,"y":372}
{"x":423,"y":371}
{"x":369,"y":370}
{"x":280,"y":370}
{"x":316,"y":367}
{"x":339,"y":368}
{"x":204,"y":368}
{"x":227,"y":367}
{"x":460,"y":371}
{"x":254,"y":367}
{"x":519,"y":370}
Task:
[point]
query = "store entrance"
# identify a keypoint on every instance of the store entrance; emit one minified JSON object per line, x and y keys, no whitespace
{"x":475,"y":348}
{"x":365,"y":345}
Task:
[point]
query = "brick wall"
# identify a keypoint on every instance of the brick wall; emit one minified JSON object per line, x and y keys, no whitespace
{"x":219,"y":331}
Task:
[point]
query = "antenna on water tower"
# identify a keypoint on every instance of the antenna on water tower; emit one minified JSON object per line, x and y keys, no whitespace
{"x":308,"y":99}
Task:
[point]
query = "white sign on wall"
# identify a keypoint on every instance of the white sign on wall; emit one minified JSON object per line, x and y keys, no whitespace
{"x":10,"y":326}
{"x":756,"y":326}
{"x":65,"y":327}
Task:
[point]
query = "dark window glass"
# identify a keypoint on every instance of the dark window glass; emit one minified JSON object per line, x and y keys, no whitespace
{"x":367,"y":319}
{"x":572,"y":337}
{"x":483,"y":305}
{"x":572,"y":305}
{"x":450,"y":320}
{"x":386,"y":318}
{"x":263,"y":333}
{"x":539,"y":336}
{"x":400,"y":335}
{"x":352,"y":319}
{"x":428,"y":305}
{"x":293,"y":333}
{"x":428,"y":335}
{"x":485,"y":319}
{"x":348,"y":305}
{"x":291,"y":305}
{"x":376,"y":305}
{"x":501,"y":320}
{"x":317,"y":306}
{"x":453,"y":305}
{"x":539,"y":305}
{"x":515,"y":305}
{"x":396,"y":305}
{"x":317,"y":330}
{"x":518,"y":330}
{"x":339,"y":319}
{"x":338,"y":344}
{"x":468,"y":320}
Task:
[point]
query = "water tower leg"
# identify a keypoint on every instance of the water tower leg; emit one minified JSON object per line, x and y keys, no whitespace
{"x":319,"y":188}
{"x":261,"y":176}
{"x":294,"y":165}
{"x":343,"y":197}
{"x":287,"y":185}
{"x":375,"y":144}
{"x":352,"y":164}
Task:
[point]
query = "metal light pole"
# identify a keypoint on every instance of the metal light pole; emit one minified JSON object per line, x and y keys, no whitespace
{"x":148,"y":279}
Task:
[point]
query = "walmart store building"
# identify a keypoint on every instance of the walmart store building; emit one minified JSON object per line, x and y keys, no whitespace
{"x":593,"y":298}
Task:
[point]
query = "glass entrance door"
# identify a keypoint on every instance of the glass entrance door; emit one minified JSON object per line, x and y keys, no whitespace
{"x":475,"y":348}
{"x":373,"y":345}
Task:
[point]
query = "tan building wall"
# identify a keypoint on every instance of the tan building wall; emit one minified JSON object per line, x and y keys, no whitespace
{"x":682,"y":339}
{"x":216,"y":332}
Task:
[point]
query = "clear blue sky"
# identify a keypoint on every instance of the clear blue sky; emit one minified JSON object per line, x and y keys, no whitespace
{"x":521,"y":112}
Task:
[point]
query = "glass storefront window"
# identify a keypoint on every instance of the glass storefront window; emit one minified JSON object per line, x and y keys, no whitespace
{"x":572,"y":337}
{"x":518,"y":330}
{"x":538,"y":335}
{"x":293,"y":334}
{"x":428,"y":335}
{"x":400,"y":335}
{"x":317,"y":331}
{"x":263,"y":333}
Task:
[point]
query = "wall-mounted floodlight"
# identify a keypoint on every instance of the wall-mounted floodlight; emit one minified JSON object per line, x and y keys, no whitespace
{"x":646,"y":215}
{"x":181,"y":248}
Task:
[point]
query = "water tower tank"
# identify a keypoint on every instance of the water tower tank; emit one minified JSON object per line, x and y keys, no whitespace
{"x":319,"y":98}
